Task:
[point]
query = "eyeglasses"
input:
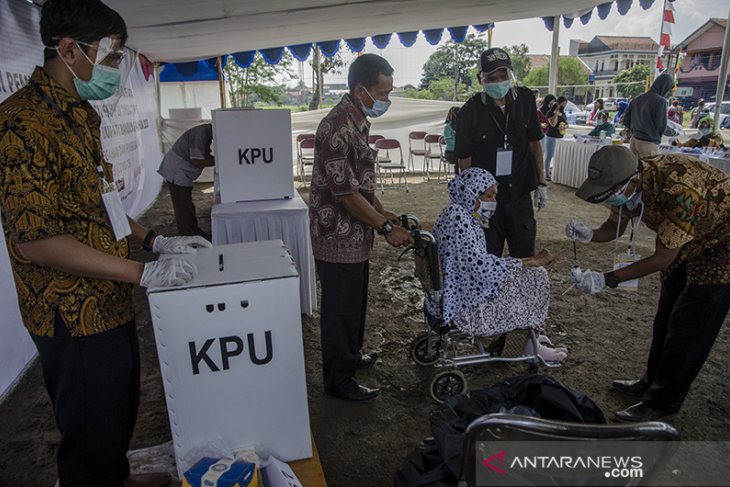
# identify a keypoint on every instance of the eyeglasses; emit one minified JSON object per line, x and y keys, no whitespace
{"x":105,"y":54}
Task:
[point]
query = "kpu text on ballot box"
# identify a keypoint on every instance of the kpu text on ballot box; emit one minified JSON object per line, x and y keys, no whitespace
{"x":253,"y":154}
{"x":231,"y":352}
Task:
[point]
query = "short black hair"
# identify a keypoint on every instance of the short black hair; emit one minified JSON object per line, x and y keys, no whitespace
{"x":366,"y":69}
{"x":84,"y":20}
{"x":561,"y":99}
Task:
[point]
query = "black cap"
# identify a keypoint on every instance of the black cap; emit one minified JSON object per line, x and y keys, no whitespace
{"x":494,"y":59}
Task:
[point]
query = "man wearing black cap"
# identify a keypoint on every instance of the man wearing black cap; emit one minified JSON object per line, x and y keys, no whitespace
{"x":498,"y":130}
{"x":685,"y":202}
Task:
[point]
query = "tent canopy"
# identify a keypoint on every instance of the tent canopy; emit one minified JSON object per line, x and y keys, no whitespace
{"x":188,"y":30}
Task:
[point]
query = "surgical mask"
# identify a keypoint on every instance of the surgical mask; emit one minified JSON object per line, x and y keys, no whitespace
{"x":497,"y":90}
{"x":705,"y":131}
{"x":103,"y":83}
{"x":379,"y":107}
{"x":619,"y":198}
{"x":486,"y":210}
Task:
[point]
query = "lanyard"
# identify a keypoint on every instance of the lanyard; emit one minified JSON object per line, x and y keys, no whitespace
{"x":95,"y":152}
{"x":506,"y":124}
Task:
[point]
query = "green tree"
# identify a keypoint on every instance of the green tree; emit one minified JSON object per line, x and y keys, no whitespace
{"x":454,"y":60}
{"x":258,"y":81}
{"x":630,"y":82}
{"x":443,"y":89}
{"x":520,"y":61}
{"x":570,"y":72}
{"x":327,"y":65}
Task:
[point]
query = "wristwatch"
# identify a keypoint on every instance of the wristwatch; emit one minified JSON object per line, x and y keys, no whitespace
{"x":611,"y":279}
{"x":149,"y":239}
{"x":386,"y":228}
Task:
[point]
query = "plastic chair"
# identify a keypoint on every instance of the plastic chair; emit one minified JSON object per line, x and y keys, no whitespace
{"x":486,"y":430}
{"x":417,"y":147}
{"x":434,"y":152}
{"x":387,"y":164}
{"x":305,"y":155}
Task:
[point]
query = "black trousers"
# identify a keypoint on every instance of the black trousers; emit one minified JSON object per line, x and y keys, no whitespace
{"x":184,"y":208}
{"x":93,"y":382}
{"x":513,"y":221}
{"x":342,"y":322}
{"x":686,"y":324}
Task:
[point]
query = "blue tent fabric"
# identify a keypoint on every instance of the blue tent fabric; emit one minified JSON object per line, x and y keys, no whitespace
{"x":273,"y":55}
{"x":603,"y":10}
{"x":408,"y":38}
{"x":244,"y":59}
{"x":645,"y":4}
{"x":433,"y":36}
{"x":483,"y":27}
{"x":195,"y":71}
{"x":356,"y":45}
{"x":458,"y":34}
{"x":381,"y":41}
{"x":300,"y":51}
{"x":585,"y":18}
{"x":567,"y":22}
{"x":329,"y":48}
{"x":623,"y":6}
{"x":549,"y":23}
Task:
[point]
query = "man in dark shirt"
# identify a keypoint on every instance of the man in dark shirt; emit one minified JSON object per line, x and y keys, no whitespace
{"x":499,"y":130}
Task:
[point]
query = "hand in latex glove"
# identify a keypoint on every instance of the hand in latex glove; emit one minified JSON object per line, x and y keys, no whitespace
{"x":591,"y":282}
{"x":575,"y":230}
{"x":541,"y":197}
{"x":179,"y":245}
{"x":167,"y":273}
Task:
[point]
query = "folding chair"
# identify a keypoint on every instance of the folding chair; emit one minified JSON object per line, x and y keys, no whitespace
{"x":416,"y":139}
{"x":372,"y":139}
{"x":305,"y":142}
{"x":483,"y":432}
{"x":434,"y":152}
{"x":387,"y":164}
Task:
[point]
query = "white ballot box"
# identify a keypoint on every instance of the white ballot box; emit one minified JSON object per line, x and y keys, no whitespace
{"x":253,"y":154}
{"x":231,"y":352}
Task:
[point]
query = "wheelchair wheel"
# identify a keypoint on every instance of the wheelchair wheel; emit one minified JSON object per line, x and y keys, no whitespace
{"x":419,"y":350}
{"x":447,"y":383}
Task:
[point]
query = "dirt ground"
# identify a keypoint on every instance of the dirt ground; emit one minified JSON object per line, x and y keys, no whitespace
{"x":362,"y":445}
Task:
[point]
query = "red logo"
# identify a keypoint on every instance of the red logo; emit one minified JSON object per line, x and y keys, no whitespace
{"x":499,"y":456}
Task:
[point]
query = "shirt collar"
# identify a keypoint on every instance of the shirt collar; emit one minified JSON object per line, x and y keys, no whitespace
{"x":355,"y":113}
{"x":78,"y":110}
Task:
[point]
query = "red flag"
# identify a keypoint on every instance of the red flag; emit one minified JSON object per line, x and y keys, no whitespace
{"x":659,"y":63}
{"x":669,"y":16}
{"x":665,"y":41}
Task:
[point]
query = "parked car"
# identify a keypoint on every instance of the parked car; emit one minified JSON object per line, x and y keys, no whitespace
{"x":724,"y":111}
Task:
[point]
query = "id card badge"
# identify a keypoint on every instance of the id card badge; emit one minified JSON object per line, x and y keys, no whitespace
{"x":504,"y":162}
{"x":621,"y":261}
{"x":115,"y":210}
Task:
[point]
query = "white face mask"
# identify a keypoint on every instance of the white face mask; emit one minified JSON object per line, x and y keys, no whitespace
{"x":486,"y":210}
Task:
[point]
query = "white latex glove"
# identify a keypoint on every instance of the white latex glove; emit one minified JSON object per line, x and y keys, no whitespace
{"x":575,"y":230}
{"x":167,"y":273}
{"x":541,"y":197}
{"x":179,"y":245}
{"x":591,"y":282}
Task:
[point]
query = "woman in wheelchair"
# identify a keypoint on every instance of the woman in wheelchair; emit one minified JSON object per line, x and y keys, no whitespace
{"x":486,"y":295}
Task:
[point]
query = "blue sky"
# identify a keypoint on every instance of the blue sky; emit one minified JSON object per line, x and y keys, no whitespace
{"x":689,"y":15}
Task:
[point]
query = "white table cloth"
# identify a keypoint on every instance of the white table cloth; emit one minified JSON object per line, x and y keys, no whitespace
{"x":571,"y":159}
{"x":287,"y":220}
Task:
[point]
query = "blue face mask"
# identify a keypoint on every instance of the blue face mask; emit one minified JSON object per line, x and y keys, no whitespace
{"x":497,"y":90}
{"x":705,"y":131}
{"x":103,"y":83}
{"x":379,"y":107}
{"x":619,"y":198}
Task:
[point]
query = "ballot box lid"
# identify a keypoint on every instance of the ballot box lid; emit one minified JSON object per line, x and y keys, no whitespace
{"x":239,"y":262}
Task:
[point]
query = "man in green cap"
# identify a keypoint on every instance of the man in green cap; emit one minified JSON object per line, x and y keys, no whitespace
{"x":684,"y":201}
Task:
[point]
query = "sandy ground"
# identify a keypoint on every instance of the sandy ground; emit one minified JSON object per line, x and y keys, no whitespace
{"x":361,"y":445}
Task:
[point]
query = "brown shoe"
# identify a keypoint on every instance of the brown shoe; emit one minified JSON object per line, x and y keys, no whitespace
{"x":156,"y":479}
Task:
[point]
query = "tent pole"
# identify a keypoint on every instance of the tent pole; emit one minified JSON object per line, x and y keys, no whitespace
{"x":554,"y":57}
{"x":221,"y":82}
{"x":156,"y":68}
{"x":489,"y":36}
{"x":722,"y":78}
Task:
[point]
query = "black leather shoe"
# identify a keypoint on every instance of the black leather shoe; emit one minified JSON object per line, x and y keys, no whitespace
{"x":638,"y":413}
{"x":362,"y":393}
{"x":633,"y":387}
{"x":366,"y":361}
